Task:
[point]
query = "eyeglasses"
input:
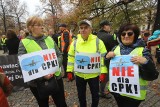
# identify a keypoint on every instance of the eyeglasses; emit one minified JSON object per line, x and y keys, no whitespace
{"x":38,"y":25}
{"x":128,"y":33}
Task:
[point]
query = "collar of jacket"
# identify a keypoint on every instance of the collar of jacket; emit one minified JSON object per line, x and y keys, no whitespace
{"x":90,"y":37}
{"x":103,"y":31}
{"x":33,"y":38}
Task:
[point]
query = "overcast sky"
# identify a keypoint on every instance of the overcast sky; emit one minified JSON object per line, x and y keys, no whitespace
{"x":31,"y":6}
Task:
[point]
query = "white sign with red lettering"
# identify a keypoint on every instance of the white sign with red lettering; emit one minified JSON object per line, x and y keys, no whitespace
{"x":37,"y":64}
{"x":87,"y":62}
{"x":124,"y":76}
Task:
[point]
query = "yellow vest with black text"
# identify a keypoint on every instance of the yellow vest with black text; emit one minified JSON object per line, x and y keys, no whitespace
{"x":143,"y":83}
{"x":32,"y":46}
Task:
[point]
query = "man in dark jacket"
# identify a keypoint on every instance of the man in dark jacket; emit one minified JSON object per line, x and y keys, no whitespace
{"x":104,"y":35}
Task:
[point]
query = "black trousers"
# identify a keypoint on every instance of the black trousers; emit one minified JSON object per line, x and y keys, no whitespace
{"x":64,"y":63}
{"x":94,"y":88}
{"x":4,"y":47}
{"x":123,"y":101}
{"x":59,"y":98}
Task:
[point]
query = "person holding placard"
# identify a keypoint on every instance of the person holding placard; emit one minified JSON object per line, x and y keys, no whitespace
{"x":124,"y":90}
{"x":85,"y":57}
{"x":34,"y":42}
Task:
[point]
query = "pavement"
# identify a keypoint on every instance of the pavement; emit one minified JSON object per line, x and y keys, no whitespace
{"x":26,"y":99}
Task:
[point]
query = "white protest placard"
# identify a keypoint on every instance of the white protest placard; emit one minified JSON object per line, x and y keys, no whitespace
{"x":124,"y":76}
{"x":38,"y":64}
{"x":87,"y":62}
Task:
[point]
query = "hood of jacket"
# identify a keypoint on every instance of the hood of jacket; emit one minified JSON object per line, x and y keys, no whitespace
{"x":90,"y":37}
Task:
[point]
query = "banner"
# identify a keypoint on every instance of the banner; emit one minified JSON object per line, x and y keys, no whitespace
{"x":87,"y":62}
{"x":10,"y":65}
{"x":37,"y":64}
{"x":124,"y":76}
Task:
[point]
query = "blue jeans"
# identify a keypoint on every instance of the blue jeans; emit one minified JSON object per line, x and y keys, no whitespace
{"x":94,"y":88}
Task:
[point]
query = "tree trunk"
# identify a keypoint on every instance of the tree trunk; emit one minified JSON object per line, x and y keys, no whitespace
{"x":157,"y":19}
{"x":4,"y":20}
{"x":149,"y":19}
{"x":19,"y":23}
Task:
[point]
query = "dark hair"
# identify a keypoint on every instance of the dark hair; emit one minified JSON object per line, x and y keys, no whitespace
{"x":11,"y":34}
{"x":104,"y":22}
{"x":146,"y":33}
{"x":63,"y":25}
{"x":129,"y":26}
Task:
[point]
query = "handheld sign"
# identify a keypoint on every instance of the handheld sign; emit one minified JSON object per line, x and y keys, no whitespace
{"x":124,"y":76}
{"x":38,"y":64}
{"x":87,"y":62}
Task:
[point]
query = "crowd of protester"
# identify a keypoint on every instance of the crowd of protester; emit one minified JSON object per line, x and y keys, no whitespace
{"x":143,"y":46}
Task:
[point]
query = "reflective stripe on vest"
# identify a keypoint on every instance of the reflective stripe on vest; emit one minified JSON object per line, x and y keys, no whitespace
{"x":32,"y":46}
{"x":74,"y":44}
{"x":143,"y":83}
{"x":97,"y":46}
{"x":63,"y":42}
{"x":59,"y":41}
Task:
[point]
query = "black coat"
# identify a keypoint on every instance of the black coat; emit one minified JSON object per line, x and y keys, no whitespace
{"x":12,"y":45}
{"x":107,"y":39}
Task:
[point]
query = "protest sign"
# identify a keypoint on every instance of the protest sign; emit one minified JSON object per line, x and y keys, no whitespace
{"x":87,"y":62}
{"x":11,"y":68}
{"x":124,"y":76}
{"x":37,"y":64}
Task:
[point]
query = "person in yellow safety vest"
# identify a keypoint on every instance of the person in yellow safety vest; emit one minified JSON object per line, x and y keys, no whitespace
{"x":66,"y":40}
{"x":3,"y":43}
{"x":85,"y":58}
{"x":36,"y":41}
{"x":130,"y":44}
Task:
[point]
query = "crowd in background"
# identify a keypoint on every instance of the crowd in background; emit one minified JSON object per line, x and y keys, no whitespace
{"x":67,"y":44}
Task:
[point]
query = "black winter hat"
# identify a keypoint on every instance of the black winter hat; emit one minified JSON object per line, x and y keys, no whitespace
{"x":104,"y":22}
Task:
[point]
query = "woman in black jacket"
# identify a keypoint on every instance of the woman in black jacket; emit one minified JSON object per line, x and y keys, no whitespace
{"x":12,"y":42}
{"x":130,"y":45}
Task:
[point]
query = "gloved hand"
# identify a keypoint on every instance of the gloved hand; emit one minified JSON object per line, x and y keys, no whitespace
{"x":70,"y":76}
{"x":102,"y":77}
